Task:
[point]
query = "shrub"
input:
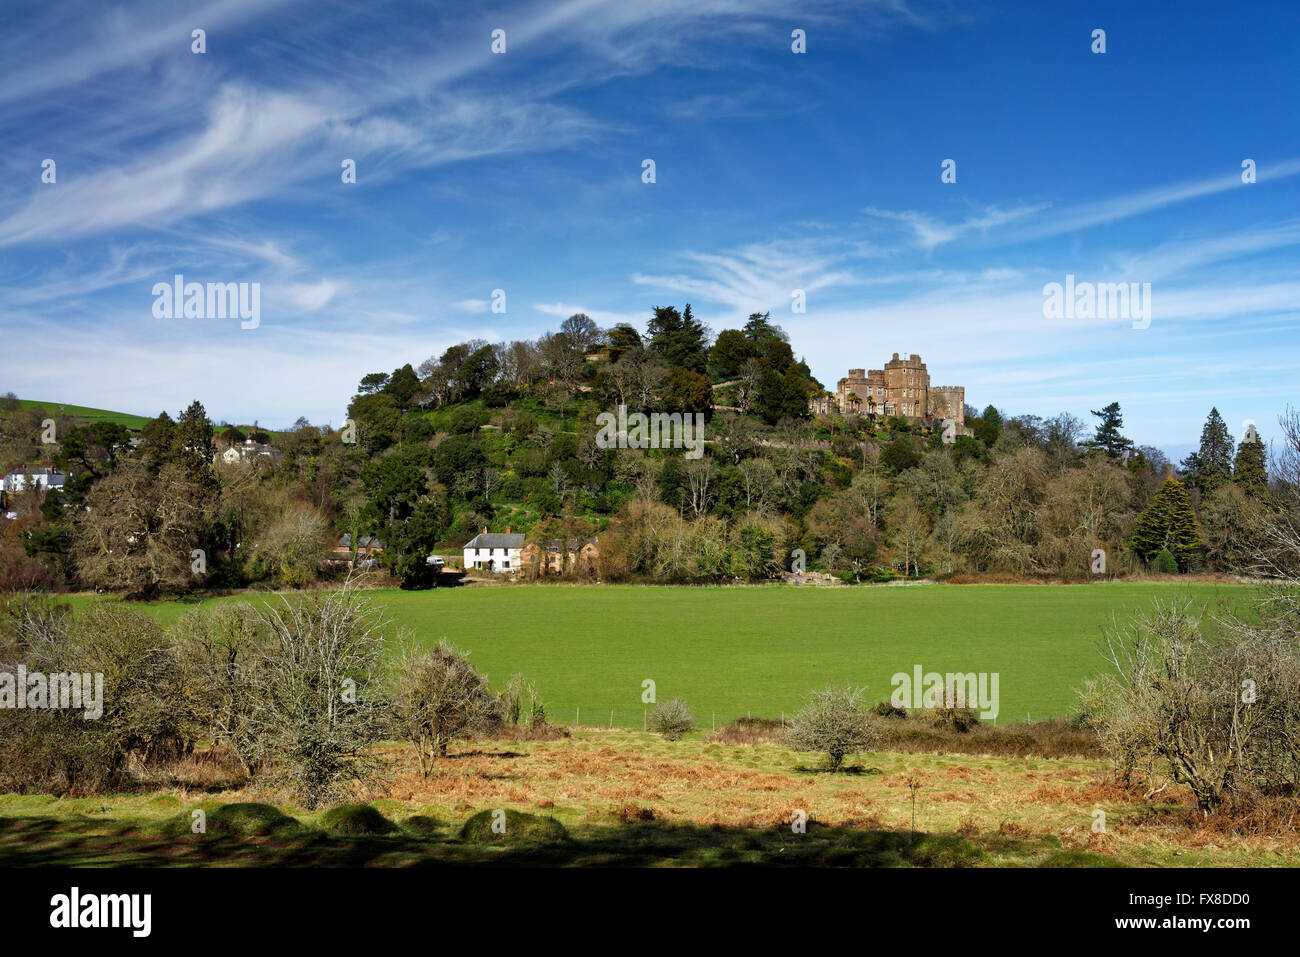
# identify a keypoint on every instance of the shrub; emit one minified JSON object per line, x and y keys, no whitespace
{"x":672,"y":719}
{"x":316,"y":711}
{"x":834,"y":723}
{"x":953,"y":713}
{"x":1216,"y":711}
{"x":219,"y":649}
{"x":748,"y":730}
{"x":1165,"y":563}
{"x":133,"y":670}
{"x":438,"y":697}
{"x":887,"y":709}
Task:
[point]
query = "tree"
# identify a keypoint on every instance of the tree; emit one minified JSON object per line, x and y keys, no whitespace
{"x":194,"y":444}
{"x":834,"y":723}
{"x":403,"y":510}
{"x":139,"y":529}
{"x":582,"y":331}
{"x":760,"y":330}
{"x":678,"y":338}
{"x":294,"y":543}
{"x":318,"y":707}
{"x":1168,"y":522}
{"x":438,"y":697}
{"x":478,"y":371}
{"x":1250,"y":469}
{"x":729,"y":353}
{"x":1108,"y":438}
{"x":689,"y":392}
{"x":623,"y":339}
{"x":402,"y":386}
{"x":1175,"y":700}
{"x":372,"y":383}
{"x":1210,"y":466}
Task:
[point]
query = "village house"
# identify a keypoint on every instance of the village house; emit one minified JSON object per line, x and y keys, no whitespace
{"x":493,"y":552}
{"x":247,"y":452}
{"x":578,"y":555}
{"x":37,"y":480}
{"x":367,"y":547}
{"x":23,"y":479}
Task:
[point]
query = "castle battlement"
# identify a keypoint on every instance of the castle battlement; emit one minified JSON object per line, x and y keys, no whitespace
{"x":902,"y":388}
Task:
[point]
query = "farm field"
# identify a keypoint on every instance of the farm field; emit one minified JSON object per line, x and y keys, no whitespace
{"x":85,"y":413}
{"x":732,"y":652}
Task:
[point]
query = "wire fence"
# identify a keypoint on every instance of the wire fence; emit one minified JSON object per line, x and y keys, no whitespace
{"x":638,"y":718}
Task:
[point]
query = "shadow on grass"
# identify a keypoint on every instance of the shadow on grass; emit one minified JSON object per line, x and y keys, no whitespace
{"x":70,"y":842}
{"x":851,"y":770}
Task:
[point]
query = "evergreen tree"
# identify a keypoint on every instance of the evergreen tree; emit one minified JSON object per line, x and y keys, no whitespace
{"x":1211,"y":466}
{"x":1108,"y":438}
{"x":1168,"y":523}
{"x":402,"y":385}
{"x":678,"y":338}
{"x":1250,"y":470}
{"x":760,"y":330}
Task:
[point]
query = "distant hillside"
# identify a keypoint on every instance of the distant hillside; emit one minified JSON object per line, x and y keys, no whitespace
{"x":86,"y":414}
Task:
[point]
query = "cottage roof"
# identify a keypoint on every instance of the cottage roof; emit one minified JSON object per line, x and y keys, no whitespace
{"x":487,"y":540}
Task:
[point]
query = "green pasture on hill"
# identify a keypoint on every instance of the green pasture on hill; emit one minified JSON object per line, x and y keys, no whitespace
{"x":760,"y":650}
{"x":85,"y":413}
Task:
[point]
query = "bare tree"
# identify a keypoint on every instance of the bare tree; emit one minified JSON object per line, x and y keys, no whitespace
{"x":438,"y":697}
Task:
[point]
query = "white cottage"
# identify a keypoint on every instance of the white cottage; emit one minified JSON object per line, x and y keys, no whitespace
{"x":493,"y":553}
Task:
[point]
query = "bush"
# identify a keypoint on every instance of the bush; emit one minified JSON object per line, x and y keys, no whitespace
{"x":833,"y":722}
{"x":316,"y":711}
{"x":132,"y":668}
{"x":219,"y":648}
{"x":1216,"y":712}
{"x":672,"y":719}
{"x":437,"y":698}
{"x":887,"y":709}
{"x":1165,"y":563}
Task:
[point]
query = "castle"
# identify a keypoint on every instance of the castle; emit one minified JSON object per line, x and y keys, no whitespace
{"x":901,"y":388}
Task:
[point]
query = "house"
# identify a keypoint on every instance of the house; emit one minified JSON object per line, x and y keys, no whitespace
{"x":246,"y":452}
{"x":576,"y":555}
{"x":41,"y":481}
{"x":367,"y":547}
{"x":24,"y":479}
{"x":493,"y":553}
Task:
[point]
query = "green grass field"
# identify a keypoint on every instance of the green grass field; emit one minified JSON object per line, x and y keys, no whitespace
{"x":85,"y":413}
{"x":759,"y":650}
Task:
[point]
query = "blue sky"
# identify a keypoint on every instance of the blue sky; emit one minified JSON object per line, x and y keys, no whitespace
{"x":775,"y":171}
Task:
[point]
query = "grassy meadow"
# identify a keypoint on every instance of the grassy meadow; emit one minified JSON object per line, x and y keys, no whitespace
{"x":591,"y":796}
{"x":733,"y":652}
{"x":85,"y":413}
{"x":633,"y":799}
